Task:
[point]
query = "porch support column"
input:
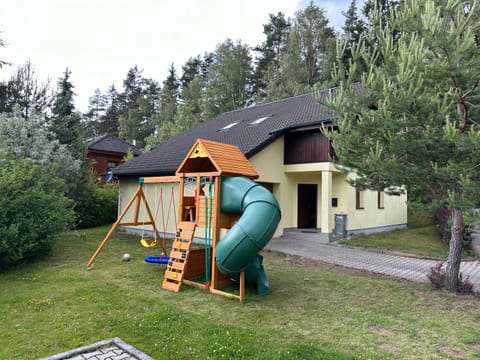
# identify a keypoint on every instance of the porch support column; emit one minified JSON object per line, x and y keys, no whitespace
{"x":326,"y":222}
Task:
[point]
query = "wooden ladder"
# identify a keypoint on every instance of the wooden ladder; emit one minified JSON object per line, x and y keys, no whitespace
{"x":179,"y":256}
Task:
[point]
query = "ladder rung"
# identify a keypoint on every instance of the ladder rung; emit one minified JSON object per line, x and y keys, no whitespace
{"x":186,"y":225}
{"x":178,"y":255}
{"x":173,"y":275}
{"x":176,"y":265}
{"x":185,"y":236}
{"x":167,"y":285}
{"x":178,"y":245}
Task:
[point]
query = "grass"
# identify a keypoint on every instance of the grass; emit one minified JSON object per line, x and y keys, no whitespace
{"x":420,"y":238}
{"x":314,"y":311}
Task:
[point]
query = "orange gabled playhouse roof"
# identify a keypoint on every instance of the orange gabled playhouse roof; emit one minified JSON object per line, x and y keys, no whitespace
{"x":219,"y":158}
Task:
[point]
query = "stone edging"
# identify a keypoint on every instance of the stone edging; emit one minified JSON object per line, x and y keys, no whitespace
{"x":97,"y":347}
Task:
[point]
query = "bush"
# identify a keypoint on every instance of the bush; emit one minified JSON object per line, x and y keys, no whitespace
{"x":99,"y":207}
{"x":437,"y":279}
{"x":33,"y":211}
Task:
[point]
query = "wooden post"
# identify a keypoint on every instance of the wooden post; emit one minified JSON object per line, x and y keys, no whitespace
{"x":215,"y":233}
{"x":242,"y":285}
{"x":134,"y":197}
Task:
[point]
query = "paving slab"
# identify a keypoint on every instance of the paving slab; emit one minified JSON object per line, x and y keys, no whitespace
{"x":403,"y":267}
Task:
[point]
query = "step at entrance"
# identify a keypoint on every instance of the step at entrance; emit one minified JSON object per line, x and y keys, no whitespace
{"x":179,"y":256}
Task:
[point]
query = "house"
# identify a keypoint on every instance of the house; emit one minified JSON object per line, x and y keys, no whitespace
{"x":108,"y":151}
{"x":284,"y":142}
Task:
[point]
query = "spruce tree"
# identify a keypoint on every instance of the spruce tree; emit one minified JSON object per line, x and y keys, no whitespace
{"x":66,"y":121}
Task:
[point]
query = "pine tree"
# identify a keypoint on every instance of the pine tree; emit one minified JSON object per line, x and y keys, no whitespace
{"x":66,"y":122}
{"x":139,"y":102}
{"x":109,"y":122}
{"x":164,"y":117}
{"x":308,"y":56}
{"x":415,"y":125}
{"x":3,"y":44}
{"x":97,"y":107}
{"x":353,"y":29}
{"x":268,"y":60}
{"x":25,"y":91}
{"x":228,"y":80}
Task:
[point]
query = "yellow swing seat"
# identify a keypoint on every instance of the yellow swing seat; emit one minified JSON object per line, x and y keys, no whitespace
{"x":146,"y":244}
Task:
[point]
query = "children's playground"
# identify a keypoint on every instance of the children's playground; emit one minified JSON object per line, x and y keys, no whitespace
{"x":219,"y":209}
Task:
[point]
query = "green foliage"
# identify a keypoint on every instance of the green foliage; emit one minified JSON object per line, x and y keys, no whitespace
{"x":307,"y":56}
{"x":33,"y":211}
{"x":138,"y":103}
{"x":414,"y":125}
{"x":23,"y":91}
{"x":268,"y":61}
{"x":99,"y":207}
{"x":27,"y":139}
{"x":66,"y":122}
{"x":228,"y":79}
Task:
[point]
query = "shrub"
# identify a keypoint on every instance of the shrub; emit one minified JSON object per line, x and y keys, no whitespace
{"x":437,"y":278}
{"x":99,"y":207}
{"x":33,"y":211}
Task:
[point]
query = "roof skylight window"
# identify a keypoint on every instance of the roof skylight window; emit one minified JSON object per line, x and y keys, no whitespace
{"x":259,"y":120}
{"x":229,"y":126}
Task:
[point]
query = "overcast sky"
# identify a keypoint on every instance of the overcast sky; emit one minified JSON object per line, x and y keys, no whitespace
{"x":100,"y":40}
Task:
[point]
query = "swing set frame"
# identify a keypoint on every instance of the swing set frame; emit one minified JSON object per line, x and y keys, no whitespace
{"x":137,"y":198}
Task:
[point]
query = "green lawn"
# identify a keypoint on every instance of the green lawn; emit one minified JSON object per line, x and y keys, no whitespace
{"x":420,"y":238}
{"x":314,"y":311}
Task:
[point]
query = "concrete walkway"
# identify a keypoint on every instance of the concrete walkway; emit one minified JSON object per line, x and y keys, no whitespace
{"x":402,"y":267}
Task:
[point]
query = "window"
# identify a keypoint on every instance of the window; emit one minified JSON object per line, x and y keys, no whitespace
{"x":381,"y":200}
{"x":259,"y":120}
{"x":334,"y":202}
{"x":111,"y":164}
{"x":359,"y":202}
{"x":229,"y":126}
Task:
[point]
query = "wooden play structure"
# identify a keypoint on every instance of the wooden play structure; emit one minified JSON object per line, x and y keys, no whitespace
{"x":199,"y":179}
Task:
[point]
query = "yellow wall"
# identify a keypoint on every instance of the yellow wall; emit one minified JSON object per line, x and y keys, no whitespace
{"x":285,"y":180}
{"x":154,"y":193}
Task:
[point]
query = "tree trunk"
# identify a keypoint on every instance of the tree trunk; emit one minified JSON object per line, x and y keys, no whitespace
{"x":454,"y":255}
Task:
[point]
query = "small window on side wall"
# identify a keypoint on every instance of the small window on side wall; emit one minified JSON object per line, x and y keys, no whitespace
{"x":381,"y":200}
{"x":359,"y":201}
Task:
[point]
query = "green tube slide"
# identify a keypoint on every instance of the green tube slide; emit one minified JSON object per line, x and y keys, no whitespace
{"x":260,"y":215}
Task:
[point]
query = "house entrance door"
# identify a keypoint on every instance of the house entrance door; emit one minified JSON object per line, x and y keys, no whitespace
{"x":307,"y":206}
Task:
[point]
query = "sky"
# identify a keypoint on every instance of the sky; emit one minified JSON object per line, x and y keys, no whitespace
{"x":100,"y":40}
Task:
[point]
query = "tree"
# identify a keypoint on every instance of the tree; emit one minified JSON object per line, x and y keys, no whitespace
{"x":353,"y":29}
{"x":308,"y":56}
{"x":109,"y":121}
{"x":228,"y":79}
{"x":414,"y":126}
{"x":3,"y":44}
{"x":97,"y":108}
{"x":268,"y":61}
{"x":66,"y":122}
{"x":24,"y":90}
{"x":139,"y":102}
{"x":28,"y":139}
{"x":164,"y":119}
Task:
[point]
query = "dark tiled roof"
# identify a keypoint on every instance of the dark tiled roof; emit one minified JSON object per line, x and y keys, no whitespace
{"x":110,"y":143}
{"x":282,"y":115}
